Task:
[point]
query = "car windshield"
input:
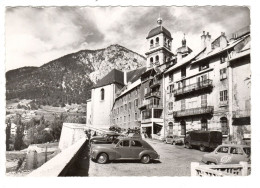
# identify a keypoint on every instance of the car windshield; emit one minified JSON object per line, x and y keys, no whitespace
{"x":247,"y":151}
{"x":116,"y":141}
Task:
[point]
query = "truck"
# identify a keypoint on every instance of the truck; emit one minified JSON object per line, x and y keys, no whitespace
{"x":203,"y":139}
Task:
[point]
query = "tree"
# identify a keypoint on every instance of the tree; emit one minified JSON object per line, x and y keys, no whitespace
{"x":18,"y":140}
{"x":8,"y":133}
{"x":57,"y":125}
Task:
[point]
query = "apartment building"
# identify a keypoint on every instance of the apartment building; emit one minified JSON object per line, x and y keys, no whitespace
{"x":200,"y":87}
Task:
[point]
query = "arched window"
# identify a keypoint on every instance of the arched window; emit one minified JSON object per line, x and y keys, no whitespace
{"x":224,"y":125}
{"x":151,"y":43}
{"x":156,"y":58}
{"x":151,"y":60}
{"x":157,"y":40}
{"x":102,"y":94}
{"x":204,"y":124}
{"x":170,"y":125}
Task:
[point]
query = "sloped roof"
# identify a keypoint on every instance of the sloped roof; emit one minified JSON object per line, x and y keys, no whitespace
{"x":158,"y":30}
{"x":134,"y":75}
{"x":220,"y":50}
{"x":184,"y":49}
{"x":114,"y":76}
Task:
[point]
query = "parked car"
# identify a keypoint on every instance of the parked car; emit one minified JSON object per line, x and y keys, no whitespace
{"x":228,"y":154}
{"x":203,"y":139}
{"x":106,"y":138}
{"x":173,"y":140}
{"x":124,"y":148}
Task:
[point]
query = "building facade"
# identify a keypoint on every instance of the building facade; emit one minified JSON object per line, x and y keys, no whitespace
{"x":200,"y":89}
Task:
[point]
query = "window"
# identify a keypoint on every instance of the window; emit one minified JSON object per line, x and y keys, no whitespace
{"x":129,"y":117}
{"x":129,"y":105}
{"x":125,"y":107}
{"x":201,"y":80}
{"x":157,"y":41}
{"x":151,"y":43}
{"x":204,"y":100}
{"x":223,"y":74}
{"x":145,"y":90}
{"x":171,"y":88}
{"x":224,"y":125}
{"x":183,"y":104}
{"x":135,"y":143}
{"x":183,"y":72}
{"x":102,"y":94}
{"x":156,"y":58}
{"x":129,"y":95}
{"x":171,"y":77}
{"x":124,"y":118}
{"x":236,"y":151}
{"x":223,"y":58}
{"x":136,"y":102}
{"x":136,"y":117}
{"x":223,"y":96}
{"x":151,"y":60}
{"x":157,"y":113}
{"x":223,"y":149}
{"x":124,"y":143}
{"x":204,"y":124}
{"x":203,"y":66}
{"x":170,"y":105}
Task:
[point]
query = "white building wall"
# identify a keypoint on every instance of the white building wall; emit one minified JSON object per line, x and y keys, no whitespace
{"x":89,"y":113}
{"x":101,"y":108}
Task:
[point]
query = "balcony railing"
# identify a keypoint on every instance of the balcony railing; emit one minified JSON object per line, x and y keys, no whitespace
{"x":154,"y":46}
{"x":193,"y":87}
{"x":241,"y":113}
{"x":194,"y":111}
{"x":155,"y":83}
{"x":153,"y":94}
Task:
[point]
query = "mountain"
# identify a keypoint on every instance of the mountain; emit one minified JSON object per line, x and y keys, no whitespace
{"x":69,"y":79}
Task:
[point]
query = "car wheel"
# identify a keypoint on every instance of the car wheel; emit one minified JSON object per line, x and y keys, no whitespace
{"x":145,"y":159}
{"x":202,"y":148}
{"x":102,"y":158}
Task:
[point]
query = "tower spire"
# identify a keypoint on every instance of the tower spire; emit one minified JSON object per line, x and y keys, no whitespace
{"x":159,"y":20}
{"x":183,"y":40}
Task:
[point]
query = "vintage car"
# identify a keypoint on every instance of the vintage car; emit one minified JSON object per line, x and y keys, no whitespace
{"x":228,"y":154}
{"x":106,"y":138}
{"x":173,"y":140}
{"x":123,"y":149}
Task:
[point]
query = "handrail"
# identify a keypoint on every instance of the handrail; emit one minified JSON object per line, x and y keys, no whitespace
{"x":193,"y":87}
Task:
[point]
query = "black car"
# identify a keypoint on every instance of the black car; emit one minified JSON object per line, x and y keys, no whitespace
{"x":106,"y":138}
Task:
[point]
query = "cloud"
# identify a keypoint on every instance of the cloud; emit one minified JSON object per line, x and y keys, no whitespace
{"x":36,"y":35}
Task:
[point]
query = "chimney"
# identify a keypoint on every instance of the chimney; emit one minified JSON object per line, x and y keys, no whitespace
{"x":208,"y":42}
{"x":223,"y":40}
{"x":125,"y":77}
{"x":203,"y":38}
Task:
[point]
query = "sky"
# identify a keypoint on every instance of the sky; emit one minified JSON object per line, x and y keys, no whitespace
{"x":36,"y":35}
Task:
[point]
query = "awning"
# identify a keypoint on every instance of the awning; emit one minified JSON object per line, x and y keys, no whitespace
{"x":147,"y":125}
{"x":161,"y":124}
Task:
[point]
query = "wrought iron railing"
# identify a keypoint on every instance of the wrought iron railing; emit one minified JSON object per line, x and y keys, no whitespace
{"x":193,"y":87}
{"x":153,"y":94}
{"x":194,"y":111}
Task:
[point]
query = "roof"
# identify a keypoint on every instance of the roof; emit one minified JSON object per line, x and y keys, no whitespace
{"x":220,"y":50}
{"x":134,"y":75}
{"x":184,"y":49}
{"x":158,"y":30}
{"x":114,"y":76}
{"x":185,"y":60}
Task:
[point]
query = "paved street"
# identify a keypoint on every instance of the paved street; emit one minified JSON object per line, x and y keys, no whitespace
{"x":174,"y":161}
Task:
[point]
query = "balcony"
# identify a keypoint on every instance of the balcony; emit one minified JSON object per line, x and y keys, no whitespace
{"x":155,"y":83}
{"x":153,"y":94}
{"x":206,"y":84}
{"x":194,"y":111}
{"x":241,"y":113}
